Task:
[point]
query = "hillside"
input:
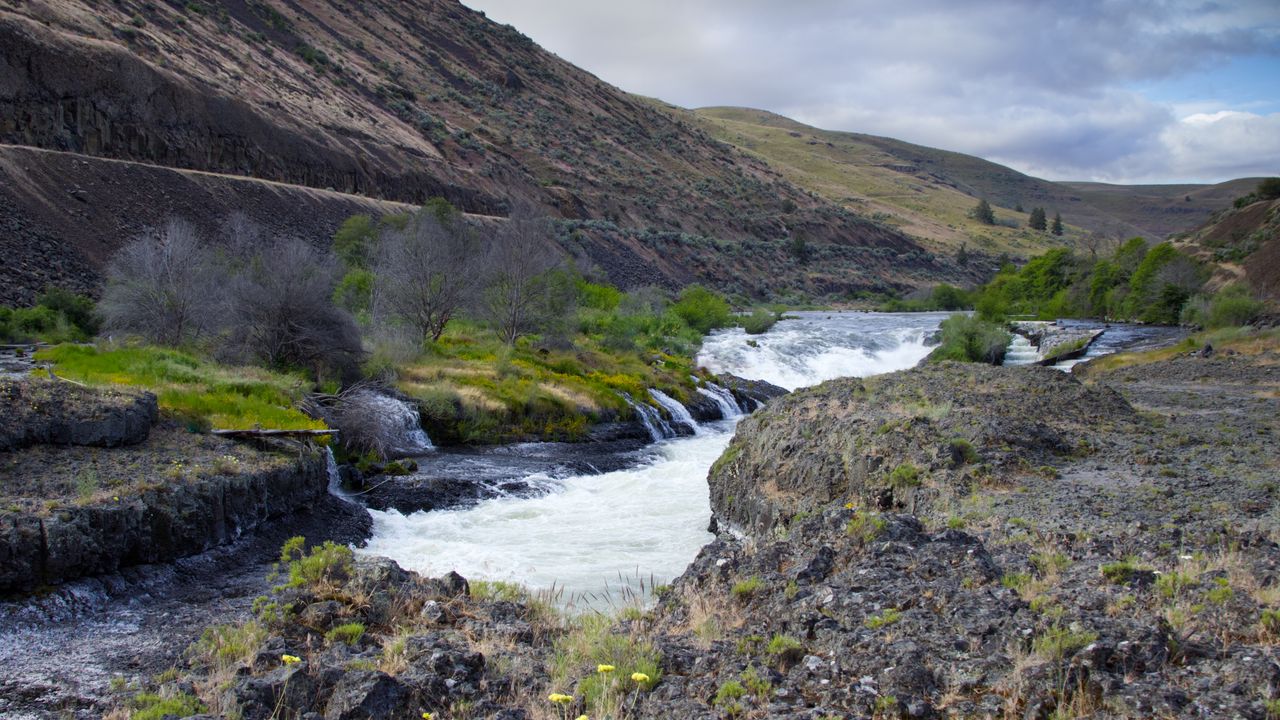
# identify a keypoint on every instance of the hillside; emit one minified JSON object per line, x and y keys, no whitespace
{"x":404,"y":101}
{"x":1244,"y":245}
{"x":1161,"y":210}
{"x":928,"y":193}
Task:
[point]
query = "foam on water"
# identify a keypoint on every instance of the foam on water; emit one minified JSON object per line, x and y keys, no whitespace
{"x":647,"y":520}
{"x":815,"y":347}
{"x":591,"y":533}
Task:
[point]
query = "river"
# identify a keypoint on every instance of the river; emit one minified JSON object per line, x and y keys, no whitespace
{"x":600,"y":539}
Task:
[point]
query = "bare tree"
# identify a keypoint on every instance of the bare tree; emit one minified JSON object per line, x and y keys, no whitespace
{"x":519,"y":259}
{"x":280,"y":311}
{"x":424,"y":274}
{"x":163,"y":286}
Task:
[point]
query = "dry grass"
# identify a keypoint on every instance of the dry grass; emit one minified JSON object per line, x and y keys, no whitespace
{"x":711,"y":616}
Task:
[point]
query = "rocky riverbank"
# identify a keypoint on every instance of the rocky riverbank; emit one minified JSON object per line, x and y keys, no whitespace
{"x":982,"y":542}
{"x":93,"y":484}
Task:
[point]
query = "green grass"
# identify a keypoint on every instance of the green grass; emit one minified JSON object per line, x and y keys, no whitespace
{"x":780,"y":644}
{"x":1058,"y":643}
{"x":347,"y":633}
{"x":194,"y":390}
{"x":888,"y":617}
{"x":865,"y":526}
{"x":592,"y":640}
{"x":743,"y":590}
{"x":149,"y":706}
{"x":1120,"y":572}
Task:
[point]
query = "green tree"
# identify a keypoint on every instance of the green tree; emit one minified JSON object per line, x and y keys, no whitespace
{"x":1037,"y":220}
{"x":353,"y":242}
{"x":983,"y":214}
{"x":1057,"y":224}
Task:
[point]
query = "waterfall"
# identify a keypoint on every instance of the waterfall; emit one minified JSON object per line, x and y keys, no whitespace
{"x":1021,"y":352}
{"x":335,"y":478}
{"x":653,"y":422}
{"x":728,"y":403}
{"x":679,"y":413}
{"x":397,"y":422}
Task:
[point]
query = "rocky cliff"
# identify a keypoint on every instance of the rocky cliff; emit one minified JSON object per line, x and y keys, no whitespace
{"x":89,"y":486}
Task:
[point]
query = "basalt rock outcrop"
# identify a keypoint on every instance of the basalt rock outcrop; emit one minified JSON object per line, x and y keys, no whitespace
{"x":158,"y":523}
{"x":885,"y":441}
{"x":61,"y":413}
{"x":1051,"y":551}
{"x":91,"y":484}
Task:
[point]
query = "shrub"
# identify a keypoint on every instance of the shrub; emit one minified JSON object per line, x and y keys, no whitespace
{"x":77,"y":309}
{"x":904,"y":476}
{"x":728,"y":696}
{"x":962,"y":452}
{"x":163,"y":286}
{"x":280,"y":312}
{"x":888,"y":617}
{"x":327,"y":564}
{"x":865,"y":526}
{"x":702,"y":309}
{"x":1119,"y":573}
{"x":969,"y":339}
{"x":759,"y":321}
{"x":1232,"y":306}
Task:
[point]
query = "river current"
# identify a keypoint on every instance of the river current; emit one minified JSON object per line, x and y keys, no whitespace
{"x":596,"y":539}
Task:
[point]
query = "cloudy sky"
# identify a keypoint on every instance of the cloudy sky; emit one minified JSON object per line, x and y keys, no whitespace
{"x":1112,"y":90}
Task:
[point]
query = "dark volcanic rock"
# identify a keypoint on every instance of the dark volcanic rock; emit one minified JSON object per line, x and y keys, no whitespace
{"x":162,"y":523}
{"x":844,"y":440}
{"x":50,"y":412}
{"x":1066,"y":558}
{"x":751,"y":394}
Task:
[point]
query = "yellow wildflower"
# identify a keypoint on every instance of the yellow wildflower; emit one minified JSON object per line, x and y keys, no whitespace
{"x":290,"y":659}
{"x":639,"y":677}
{"x":426,"y":716}
{"x":605,"y":668}
{"x":582,"y":717}
{"x":560,"y":698}
{"x":848,"y":506}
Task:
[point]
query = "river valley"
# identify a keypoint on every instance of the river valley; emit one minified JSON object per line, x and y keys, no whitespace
{"x":593,"y":532}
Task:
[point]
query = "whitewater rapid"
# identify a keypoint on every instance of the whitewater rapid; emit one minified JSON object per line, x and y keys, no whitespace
{"x":595,"y":539}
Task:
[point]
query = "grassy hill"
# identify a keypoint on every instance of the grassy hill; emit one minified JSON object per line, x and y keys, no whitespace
{"x":928,"y":193}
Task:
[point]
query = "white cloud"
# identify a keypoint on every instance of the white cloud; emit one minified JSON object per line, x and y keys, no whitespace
{"x":1224,"y":143}
{"x":1046,"y":87}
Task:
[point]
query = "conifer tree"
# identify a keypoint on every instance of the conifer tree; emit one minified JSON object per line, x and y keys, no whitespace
{"x":1037,"y":220}
{"x":983,"y":214}
{"x":1057,"y":224}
